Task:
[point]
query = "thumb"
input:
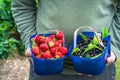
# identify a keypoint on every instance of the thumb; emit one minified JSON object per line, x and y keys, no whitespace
{"x":27,"y":52}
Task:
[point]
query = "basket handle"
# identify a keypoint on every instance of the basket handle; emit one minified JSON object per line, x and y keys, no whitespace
{"x":50,"y":31}
{"x":76,"y":32}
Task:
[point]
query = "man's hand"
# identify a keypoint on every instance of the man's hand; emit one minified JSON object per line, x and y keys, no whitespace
{"x":111,"y":59}
{"x":28,"y":53}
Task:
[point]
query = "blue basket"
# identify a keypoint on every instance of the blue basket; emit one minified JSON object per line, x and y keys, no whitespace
{"x":91,"y":66}
{"x":47,"y":66}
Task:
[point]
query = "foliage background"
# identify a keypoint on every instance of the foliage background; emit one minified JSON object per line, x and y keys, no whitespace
{"x":9,"y":37}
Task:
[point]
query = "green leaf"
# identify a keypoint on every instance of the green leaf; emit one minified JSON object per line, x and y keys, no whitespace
{"x":75,"y":50}
{"x":91,"y":46}
{"x":1,"y":52}
{"x":5,"y":55}
{"x":83,"y":37}
{"x":12,"y":40}
{"x":8,"y":0}
{"x":36,"y":3}
{"x":3,"y":49}
{"x":1,"y":2}
{"x":95,"y":40}
{"x":105,"y":32}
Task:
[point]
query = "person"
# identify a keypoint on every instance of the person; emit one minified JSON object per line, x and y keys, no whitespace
{"x":67,"y":15}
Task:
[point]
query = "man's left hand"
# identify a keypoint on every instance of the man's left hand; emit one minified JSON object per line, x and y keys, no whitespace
{"x":112,"y":58}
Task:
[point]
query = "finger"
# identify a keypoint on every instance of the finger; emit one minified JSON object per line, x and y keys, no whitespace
{"x":80,"y":74}
{"x":28,"y":53}
{"x":90,"y":75}
{"x":111,"y":59}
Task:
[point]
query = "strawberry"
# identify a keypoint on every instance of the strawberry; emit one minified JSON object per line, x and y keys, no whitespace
{"x":52,"y":37}
{"x":53,"y":50}
{"x":38,"y":56}
{"x":58,"y":55}
{"x":47,"y":55}
{"x":61,"y":41}
{"x":38,"y":39}
{"x":63,"y":50}
{"x":59,"y":35}
{"x":35,"y":50}
{"x":43,"y":47}
{"x":57,"y":43}
{"x":47,"y":39}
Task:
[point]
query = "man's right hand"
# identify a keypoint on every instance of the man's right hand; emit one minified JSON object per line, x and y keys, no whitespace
{"x":28,"y":53}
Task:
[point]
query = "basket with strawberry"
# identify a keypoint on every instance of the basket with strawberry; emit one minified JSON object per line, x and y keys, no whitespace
{"x":48,"y":52}
{"x":89,"y":50}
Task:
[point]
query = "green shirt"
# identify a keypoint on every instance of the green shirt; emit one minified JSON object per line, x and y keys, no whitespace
{"x":67,"y":15}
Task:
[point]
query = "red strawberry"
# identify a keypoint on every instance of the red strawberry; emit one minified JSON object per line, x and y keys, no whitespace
{"x":53,"y":50}
{"x":59,"y":35}
{"x":57,"y":43}
{"x":43,"y":47}
{"x":52,"y":37}
{"x":63,"y":50}
{"x":47,"y":39}
{"x":36,"y":50}
{"x":61,"y":41}
{"x":38,"y":39}
{"x":47,"y":55}
{"x":58,"y":55}
{"x":38,"y":56}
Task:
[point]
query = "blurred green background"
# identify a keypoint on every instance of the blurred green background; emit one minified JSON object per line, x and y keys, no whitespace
{"x":9,"y":37}
{"x":118,"y":69}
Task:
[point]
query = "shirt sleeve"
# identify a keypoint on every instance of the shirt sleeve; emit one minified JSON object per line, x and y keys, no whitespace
{"x":24,"y":14}
{"x":115,"y":31}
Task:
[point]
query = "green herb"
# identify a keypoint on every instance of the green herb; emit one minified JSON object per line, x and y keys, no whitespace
{"x":105,"y":32}
{"x":95,"y":40}
{"x":75,"y":50}
{"x":83,"y":37}
{"x":91,"y":46}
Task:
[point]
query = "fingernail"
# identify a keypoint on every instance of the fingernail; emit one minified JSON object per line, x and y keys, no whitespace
{"x":80,"y":74}
{"x":90,"y":75}
{"x":108,"y":61}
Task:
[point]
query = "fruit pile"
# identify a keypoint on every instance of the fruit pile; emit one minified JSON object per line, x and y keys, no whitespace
{"x":89,"y":47}
{"x":49,"y":47}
